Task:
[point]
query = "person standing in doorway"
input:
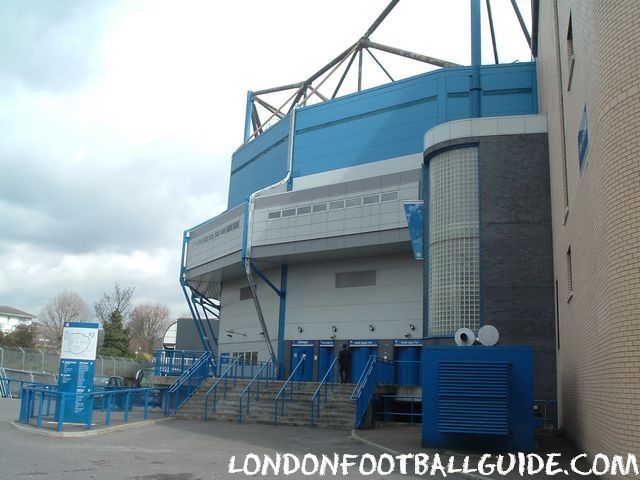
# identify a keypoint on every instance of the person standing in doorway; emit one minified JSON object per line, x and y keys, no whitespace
{"x":344,"y":359}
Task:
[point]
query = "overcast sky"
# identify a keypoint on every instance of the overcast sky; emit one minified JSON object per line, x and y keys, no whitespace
{"x":118,"y":120}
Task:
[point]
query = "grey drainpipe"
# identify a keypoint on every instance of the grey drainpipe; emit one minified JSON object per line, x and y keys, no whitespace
{"x":248,"y":232}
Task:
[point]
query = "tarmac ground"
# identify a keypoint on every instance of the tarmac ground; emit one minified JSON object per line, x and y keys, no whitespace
{"x":192,"y":450}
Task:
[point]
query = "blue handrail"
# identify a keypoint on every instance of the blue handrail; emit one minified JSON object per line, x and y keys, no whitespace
{"x":6,"y":382}
{"x":371,"y":376}
{"x":233,"y":367}
{"x":281,"y":393}
{"x":41,"y":396}
{"x":324,"y":382}
{"x":199,"y":371}
{"x":269,"y":366}
{"x":174,"y":362}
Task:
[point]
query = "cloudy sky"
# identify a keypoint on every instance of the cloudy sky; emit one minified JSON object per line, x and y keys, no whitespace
{"x":118,"y":120}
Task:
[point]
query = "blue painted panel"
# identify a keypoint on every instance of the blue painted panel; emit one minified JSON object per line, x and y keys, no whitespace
{"x":408,"y":365}
{"x":449,"y":422}
{"x":305,"y":372}
{"x":326,"y":357}
{"x":377,"y":124}
{"x":359,"y":358}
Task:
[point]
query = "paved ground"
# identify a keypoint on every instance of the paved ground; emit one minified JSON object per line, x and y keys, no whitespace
{"x":184,"y":450}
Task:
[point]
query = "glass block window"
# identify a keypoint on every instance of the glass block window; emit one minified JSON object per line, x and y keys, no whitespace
{"x":454,"y":244}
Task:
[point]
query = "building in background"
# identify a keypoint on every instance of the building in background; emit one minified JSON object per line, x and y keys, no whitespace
{"x":10,"y":317}
{"x":588,"y":64}
{"x":313,"y":250}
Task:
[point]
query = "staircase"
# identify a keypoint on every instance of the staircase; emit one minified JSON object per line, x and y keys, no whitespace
{"x":337,"y":413}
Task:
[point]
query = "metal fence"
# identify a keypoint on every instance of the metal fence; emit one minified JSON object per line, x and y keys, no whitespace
{"x":47,"y":361}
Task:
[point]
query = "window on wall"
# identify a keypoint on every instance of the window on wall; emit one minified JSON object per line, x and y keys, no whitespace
{"x":569,"y":275}
{"x":454,"y":242}
{"x":356,"y":279}
{"x":245,"y":293}
{"x":571,"y":58}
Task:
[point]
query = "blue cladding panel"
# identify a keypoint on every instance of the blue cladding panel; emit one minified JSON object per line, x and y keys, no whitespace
{"x":473,"y":397}
{"x":377,"y":124}
{"x":305,"y":372}
{"x":408,"y":365}
{"x":359,"y":358}
{"x":326,"y":357}
{"x":468,"y":402}
{"x":259,"y":163}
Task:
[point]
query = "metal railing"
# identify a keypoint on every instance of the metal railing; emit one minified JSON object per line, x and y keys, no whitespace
{"x":414,"y":414}
{"x":45,"y":403}
{"x":282,"y":393}
{"x":12,"y":388}
{"x":266,"y":372}
{"x":42,"y":360}
{"x":230,"y":372}
{"x":174,"y":362}
{"x":375,"y":372}
{"x":546,"y":414}
{"x":187,"y":383}
{"x":317,"y":397}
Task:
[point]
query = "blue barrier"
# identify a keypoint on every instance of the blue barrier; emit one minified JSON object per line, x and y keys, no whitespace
{"x":266,"y":371}
{"x":282,"y":393}
{"x":414,"y":414}
{"x":186,"y":385}
{"x":316,"y":398}
{"x":230,"y":372}
{"x":49,"y":403}
{"x":375,"y":372}
{"x":174,"y":362}
{"x":5,"y":386}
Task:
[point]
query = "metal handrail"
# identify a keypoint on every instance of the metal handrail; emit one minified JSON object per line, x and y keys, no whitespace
{"x":316,"y":394}
{"x":204,"y":358}
{"x":46,"y":393}
{"x":247,"y":389}
{"x":199,"y":370}
{"x":283,"y":389}
{"x":364,"y":376}
{"x":214,"y":387}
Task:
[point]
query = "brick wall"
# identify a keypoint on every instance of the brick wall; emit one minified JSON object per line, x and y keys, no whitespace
{"x":599,"y":355}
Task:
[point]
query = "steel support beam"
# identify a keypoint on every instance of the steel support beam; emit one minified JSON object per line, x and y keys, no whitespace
{"x":493,"y":33}
{"x":523,"y":26}
{"x":407,"y":54}
{"x":476,"y":59}
{"x":380,"y":18}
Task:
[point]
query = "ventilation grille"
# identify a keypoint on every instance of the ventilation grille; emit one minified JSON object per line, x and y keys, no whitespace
{"x":473,"y":397}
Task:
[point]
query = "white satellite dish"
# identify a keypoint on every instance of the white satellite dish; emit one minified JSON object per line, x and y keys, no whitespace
{"x":488,"y":335}
{"x":465,"y":337}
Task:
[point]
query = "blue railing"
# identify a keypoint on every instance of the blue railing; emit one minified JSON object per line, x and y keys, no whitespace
{"x":45,"y":403}
{"x":266,"y":372}
{"x":6,"y":383}
{"x":282,"y":393}
{"x":375,"y":372}
{"x":187,"y":383}
{"x":414,"y":413}
{"x":546,"y":413}
{"x":317,"y":397}
{"x":174,"y":362}
{"x":230,"y":373}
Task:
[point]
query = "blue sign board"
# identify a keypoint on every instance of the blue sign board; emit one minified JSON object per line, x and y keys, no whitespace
{"x":363,"y":343}
{"x":327,"y":343}
{"x":414,"y":212}
{"x":583,"y":138}
{"x":407,"y":343}
{"x":77,"y":366}
{"x":302,"y":343}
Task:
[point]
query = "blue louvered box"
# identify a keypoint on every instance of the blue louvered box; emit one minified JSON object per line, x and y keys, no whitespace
{"x":478,"y":398}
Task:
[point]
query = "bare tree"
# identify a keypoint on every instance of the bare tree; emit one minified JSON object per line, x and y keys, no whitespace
{"x":67,"y":306}
{"x":119,"y":299}
{"x":148,"y":322}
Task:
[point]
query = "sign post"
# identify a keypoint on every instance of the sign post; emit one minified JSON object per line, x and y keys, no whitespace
{"x":77,"y":366}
